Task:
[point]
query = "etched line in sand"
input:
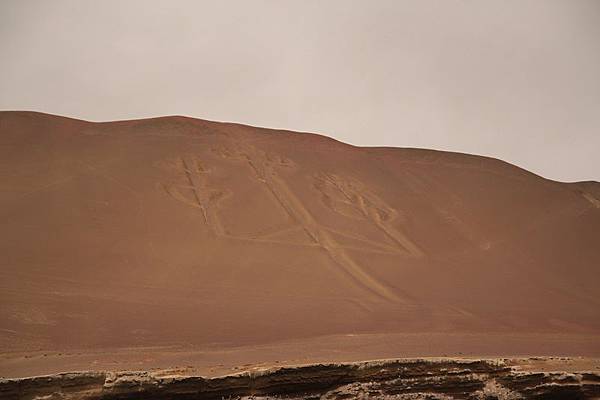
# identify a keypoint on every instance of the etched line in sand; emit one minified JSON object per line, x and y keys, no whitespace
{"x":364,"y":205}
{"x":203,"y":197}
{"x":198,"y":192}
{"x":194,"y":186}
{"x":264,"y":170}
{"x":595,"y":202}
{"x":376,"y":246}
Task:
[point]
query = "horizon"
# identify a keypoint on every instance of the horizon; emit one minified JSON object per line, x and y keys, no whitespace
{"x":513,"y":82}
{"x":292,"y":131}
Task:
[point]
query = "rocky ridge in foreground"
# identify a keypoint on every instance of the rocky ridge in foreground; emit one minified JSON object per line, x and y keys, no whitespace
{"x":388,"y":379}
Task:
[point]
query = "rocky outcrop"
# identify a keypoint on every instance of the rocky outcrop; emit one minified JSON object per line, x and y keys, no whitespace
{"x":397,"y":379}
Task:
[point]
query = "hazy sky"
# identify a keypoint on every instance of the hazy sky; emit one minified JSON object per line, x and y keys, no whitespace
{"x":517,"y":80}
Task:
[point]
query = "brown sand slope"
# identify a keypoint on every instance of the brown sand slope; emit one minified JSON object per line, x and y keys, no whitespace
{"x":182,"y":232}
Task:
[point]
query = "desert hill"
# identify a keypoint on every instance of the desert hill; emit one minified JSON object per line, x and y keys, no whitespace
{"x":182,"y":232}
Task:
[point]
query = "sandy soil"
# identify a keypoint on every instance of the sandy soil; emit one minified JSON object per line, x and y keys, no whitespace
{"x":216,"y":361}
{"x":120,"y":240}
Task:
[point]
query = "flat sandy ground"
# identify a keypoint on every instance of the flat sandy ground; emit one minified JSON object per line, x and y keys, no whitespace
{"x":345,"y":348}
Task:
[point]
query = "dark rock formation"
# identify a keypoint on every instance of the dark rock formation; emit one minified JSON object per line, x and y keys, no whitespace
{"x":399,"y":379}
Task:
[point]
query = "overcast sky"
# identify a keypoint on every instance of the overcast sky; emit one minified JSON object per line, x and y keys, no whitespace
{"x":517,"y":80}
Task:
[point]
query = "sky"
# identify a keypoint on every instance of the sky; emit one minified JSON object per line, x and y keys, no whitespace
{"x":515,"y":80}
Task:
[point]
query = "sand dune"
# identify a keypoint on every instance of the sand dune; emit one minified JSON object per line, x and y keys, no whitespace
{"x":182,"y":232}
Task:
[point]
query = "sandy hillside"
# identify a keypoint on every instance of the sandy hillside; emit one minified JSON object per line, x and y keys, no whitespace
{"x":182,"y":232}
